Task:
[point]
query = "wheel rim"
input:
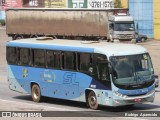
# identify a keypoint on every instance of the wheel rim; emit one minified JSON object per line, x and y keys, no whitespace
{"x":93,"y":100}
{"x":36,"y":93}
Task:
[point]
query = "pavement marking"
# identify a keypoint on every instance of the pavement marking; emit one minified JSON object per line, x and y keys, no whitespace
{"x":37,"y":106}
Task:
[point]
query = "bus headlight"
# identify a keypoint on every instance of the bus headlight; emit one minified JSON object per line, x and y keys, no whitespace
{"x":119,"y":94}
{"x":151,"y":92}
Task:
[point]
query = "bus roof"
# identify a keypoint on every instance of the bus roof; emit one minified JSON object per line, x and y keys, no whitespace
{"x":110,"y":49}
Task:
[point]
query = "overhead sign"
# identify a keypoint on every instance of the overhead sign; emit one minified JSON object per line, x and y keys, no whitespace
{"x":101,"y":4}
{"x":77,"y":3}
{"x":55,"y":3}
{"x":10,"y":4}
{"x":33,"y":3}
{"x":91,"y":4}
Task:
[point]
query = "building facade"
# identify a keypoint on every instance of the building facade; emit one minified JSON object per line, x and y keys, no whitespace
{"x":142,"y":11}
{"x":8,"y":4}
{"x":147,"y":16}
{"x":156,"y":20}
{"x":146,"y":13}
{"x":124,"y":3}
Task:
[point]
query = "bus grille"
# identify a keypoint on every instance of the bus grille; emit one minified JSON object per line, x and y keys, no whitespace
{"x":132,"y":101}
{"x":136,"y":95}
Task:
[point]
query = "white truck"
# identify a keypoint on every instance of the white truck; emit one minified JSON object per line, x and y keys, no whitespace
{"x":82,"y":24}
{"x":121,"y":27}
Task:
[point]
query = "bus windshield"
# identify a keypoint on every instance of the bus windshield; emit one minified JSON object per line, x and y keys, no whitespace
{"x":124,"y":27}
{"x":132,"y":70}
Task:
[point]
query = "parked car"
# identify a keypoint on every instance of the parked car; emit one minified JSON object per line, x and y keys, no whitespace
{"x":156,"y":81}
{"x":141,"y":37}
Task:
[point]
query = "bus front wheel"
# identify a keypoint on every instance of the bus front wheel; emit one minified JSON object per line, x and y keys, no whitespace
{"x":92,"y":100}
{"x":36,"y":93}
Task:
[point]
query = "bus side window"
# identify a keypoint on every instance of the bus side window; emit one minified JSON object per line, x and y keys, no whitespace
{"x":38,"y":58}
{"x":11,"y":55}
{"x":50,"y":58}
{"x":69,"y":60}
{"x":56,"y":61}
{"x":84,"y":61}
{"x":53,"y":59}
{"x":101,"y":70}
{"x":24,"y":56}
{"x":31,"y":57}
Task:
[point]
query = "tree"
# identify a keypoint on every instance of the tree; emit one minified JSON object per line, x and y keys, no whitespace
{"x":117,"y":4}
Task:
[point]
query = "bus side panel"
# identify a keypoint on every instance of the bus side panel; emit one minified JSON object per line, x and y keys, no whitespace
{"x":66,"y":84}
{"x":14,"y":84}
{"x":53,"y":83}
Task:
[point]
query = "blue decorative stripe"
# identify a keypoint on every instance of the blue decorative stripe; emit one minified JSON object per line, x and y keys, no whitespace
{"x":96,"y":84}
{"x":51,"y":47}
{"x":136,"y":92}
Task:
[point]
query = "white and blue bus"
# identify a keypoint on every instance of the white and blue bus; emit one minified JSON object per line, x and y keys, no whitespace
{"x":98,"y":73}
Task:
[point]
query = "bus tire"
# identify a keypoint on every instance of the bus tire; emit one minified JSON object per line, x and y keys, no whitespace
{"x":92,"y":100}
{"x":36,"y":93}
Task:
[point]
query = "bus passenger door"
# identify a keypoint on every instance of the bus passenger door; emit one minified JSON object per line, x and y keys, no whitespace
{"x":101,"y":74}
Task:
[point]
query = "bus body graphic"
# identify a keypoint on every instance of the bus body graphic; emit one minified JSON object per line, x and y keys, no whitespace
{"x":70,"y":78}
{"x":95,"y":73}
{"x":48,"y":76}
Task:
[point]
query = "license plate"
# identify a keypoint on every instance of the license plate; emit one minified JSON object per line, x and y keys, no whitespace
{"x":137,"y":100}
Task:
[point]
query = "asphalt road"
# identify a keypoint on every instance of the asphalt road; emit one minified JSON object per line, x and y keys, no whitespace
{"x":13,"y":101}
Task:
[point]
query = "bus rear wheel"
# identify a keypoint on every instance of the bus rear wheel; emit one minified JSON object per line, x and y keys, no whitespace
{"x":92,"y":100}
{"x":36,"y":93}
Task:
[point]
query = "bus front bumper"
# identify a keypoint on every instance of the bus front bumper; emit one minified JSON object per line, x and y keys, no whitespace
{"x":127,"y":100}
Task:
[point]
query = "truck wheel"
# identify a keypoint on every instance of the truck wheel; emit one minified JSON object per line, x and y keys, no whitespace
{"x":33,"y":36}
{"x":92,"y":100}
{"x":143,"y":40}
{"x":17,"y":37}
{"x":36,"y":93}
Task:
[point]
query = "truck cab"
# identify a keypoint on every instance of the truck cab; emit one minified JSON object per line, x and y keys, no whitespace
{"x":121,"y":27}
